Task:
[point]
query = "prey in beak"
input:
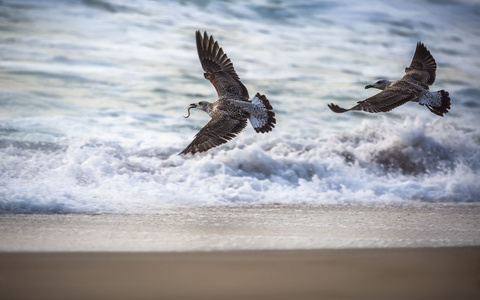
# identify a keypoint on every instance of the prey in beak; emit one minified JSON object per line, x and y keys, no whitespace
{"x":193,"y":105}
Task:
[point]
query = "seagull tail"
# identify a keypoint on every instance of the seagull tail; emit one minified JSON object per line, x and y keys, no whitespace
{"x":336,"y":108}
{"x":443,"y":107}
{"x":263,"y":120}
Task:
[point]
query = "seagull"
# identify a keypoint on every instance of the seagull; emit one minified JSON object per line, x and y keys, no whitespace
{"x":412,"y":87}
{"x":230,"y":112}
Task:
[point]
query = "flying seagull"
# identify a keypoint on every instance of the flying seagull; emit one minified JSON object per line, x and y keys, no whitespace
{"x":231,"y":110}
{"x":412,"y":87}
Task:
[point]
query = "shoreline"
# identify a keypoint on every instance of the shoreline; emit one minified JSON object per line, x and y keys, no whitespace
{"x":247,"y":227}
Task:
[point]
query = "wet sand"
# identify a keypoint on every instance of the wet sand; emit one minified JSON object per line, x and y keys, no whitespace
{"x":276,"y":227}
{"x":421,"y":251}
{"x":409,"y":273}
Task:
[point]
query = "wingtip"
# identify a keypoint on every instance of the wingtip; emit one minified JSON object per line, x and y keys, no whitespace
{"x":423,"y":49}
{"x":187,"y":150}
{"x":201,"y":38}
{"x":191,"y":148}
{"x":184,"y":152}
{"x":336,"y":109}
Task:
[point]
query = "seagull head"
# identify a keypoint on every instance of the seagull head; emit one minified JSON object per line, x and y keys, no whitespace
{"x":379,"y":84}
{"x":203,"y":105}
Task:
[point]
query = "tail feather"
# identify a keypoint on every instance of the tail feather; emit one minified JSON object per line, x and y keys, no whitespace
{"x":444,"y":105}
{"x":264,"y":120}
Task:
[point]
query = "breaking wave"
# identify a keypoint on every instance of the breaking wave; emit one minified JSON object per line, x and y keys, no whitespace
{"x":413,"y":160}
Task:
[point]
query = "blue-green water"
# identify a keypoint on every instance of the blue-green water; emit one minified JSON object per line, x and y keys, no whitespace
{"x":92,"y":95}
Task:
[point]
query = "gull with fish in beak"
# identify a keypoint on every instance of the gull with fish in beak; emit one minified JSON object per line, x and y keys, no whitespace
{"x":233,"y":107}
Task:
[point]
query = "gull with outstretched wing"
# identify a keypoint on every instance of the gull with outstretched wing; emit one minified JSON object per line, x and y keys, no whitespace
{"x":412,"y":87}
{"x":233,"y":107}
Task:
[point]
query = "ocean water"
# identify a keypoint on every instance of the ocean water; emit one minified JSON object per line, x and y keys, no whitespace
{"x":92,"y":95}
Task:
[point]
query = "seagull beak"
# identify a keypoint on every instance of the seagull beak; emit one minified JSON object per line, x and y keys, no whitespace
{"x":368,"y":86}
{"x":193,"y":105}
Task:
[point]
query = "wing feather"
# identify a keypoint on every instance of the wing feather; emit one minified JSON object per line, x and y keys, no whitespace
{"x":218,"y":131}
{"x":423,"y":66}
{"x":384,"y":101}
{"x":219,"y":69}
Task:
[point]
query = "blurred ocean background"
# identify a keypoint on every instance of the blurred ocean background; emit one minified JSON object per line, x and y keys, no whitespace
{"x":92,"y":95}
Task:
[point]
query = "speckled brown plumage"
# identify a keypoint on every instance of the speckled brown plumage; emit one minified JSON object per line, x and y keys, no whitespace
{"x":412,"y":87}
{"x":219,"y":69}
{"x":231,"y":110}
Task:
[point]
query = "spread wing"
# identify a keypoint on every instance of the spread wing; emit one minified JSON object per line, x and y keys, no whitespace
{"x":219,"y":69}
{"x":382,"y":102}
{"x":423,"y":66}
{"x":218,"y":131}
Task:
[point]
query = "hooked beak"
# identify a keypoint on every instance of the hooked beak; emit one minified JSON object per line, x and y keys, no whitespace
{"x":193,"y":105}
{"x":368,"y":86}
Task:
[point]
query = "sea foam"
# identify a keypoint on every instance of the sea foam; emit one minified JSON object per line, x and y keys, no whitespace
{"x":413,"y":160}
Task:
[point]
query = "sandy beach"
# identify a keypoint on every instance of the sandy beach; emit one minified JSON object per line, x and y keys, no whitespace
{"x":420,"y":273}
{"x":427,"y":251}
